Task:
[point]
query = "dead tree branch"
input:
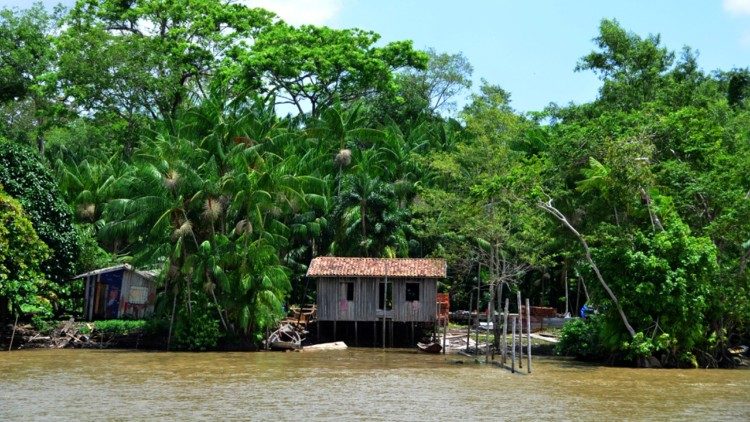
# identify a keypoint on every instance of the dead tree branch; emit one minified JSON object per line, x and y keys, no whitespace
{"x":548,"y":207}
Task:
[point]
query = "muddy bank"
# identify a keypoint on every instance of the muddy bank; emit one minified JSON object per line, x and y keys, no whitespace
{"x":75,"y":335}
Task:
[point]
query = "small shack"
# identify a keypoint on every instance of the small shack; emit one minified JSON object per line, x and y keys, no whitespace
{"x":351,"y":291}
{"x":118,"y":292}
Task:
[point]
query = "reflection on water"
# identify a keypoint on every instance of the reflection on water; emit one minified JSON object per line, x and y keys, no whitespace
{"x":356,"y":383}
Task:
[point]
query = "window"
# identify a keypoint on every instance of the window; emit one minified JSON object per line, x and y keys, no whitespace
{"x":347,"y":290}
{"x":385,"y":298}
{"x":412,"y":292}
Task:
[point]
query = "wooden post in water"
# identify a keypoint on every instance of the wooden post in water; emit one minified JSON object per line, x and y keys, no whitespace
{"x":513,"y":354}
{"x":171,"y":320}
{"x":375,"y":332}
{"x":528,"y":335}
{"x":487,"y":333}
{"x":412,"y":332}
{"x":385,"y":301}
{"x":356,"y":335}
{"x":445,"y":333}
{"x":476,"y":335}
{"x":496,"y":320}
{"x":505,"y":332}
{"x":468,"y":323}
{"x":520,"y":330}
{"x":13,"y":336}
{"x":383,"y":327}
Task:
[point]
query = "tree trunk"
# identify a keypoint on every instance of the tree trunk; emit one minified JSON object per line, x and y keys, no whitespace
{"x":557,"y":214}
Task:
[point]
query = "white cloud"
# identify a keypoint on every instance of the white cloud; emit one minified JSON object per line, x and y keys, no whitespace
{"x":298,"y":12}
{"x":737,"y":7}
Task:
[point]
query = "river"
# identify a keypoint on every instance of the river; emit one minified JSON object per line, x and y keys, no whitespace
{"x":351,"y":384}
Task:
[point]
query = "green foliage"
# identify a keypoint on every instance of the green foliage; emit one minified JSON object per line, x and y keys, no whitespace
{"x":141,"y":56}
{"x":92,"y":255}
{"x":120,"y":326}
{"x":25,"y":178}
{"x":159,"y":121}
{"x":197,"y":330}
{"x":22,"y":254}
{"x":314,"y":66}
{"x":25,"y":53}
{"x":580,"y":338}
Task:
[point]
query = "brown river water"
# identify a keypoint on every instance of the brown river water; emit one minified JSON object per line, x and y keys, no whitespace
{"x":352,"y":384}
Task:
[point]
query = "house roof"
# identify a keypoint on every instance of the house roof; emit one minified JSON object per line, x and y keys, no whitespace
{"x":127,"y":267}
{"x":329,"y":266}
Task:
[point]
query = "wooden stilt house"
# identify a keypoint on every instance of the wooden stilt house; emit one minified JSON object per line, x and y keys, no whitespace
{"x":374,"y":289}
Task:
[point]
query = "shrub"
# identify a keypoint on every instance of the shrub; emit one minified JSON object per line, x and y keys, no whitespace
{"x":198,"y":331}
{"x":580,"y":338}
{"x":21,"y":257}
{"x":26,"y":179}
{"x":120,"y":326}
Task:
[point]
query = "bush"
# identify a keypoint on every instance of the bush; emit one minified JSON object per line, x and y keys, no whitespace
{"x":120,"y":326}
{"x":199,"y":331}
{"x":26,"y":179}
{"x":21,"y":256}
{"x":580,"y":338}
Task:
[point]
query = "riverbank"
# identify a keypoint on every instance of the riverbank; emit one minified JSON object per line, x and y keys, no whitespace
{"x":72,"y":334}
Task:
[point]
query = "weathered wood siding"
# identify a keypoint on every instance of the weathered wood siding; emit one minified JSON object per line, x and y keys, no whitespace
{"x":333,"y":306}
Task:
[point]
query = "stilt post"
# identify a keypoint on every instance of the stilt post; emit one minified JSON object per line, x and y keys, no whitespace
{"x":445,"y":333}
{"x":505,"y":333}
{"x":520,"y":330}
{"x":468,"y":323}
{"x":513,"y":354}
{"x":528,"y":335}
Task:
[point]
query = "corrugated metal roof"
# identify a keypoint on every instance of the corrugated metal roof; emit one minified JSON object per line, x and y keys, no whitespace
{"x":328,"y":266}
{"x":147,"y":274}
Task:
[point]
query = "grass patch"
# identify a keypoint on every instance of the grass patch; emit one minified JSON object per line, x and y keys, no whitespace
{"x":120,"y":326}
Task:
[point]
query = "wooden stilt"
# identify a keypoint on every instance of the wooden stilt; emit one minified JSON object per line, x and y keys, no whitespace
{"x":334,"y":331}
{"x":445,"y":332}
{"x":476,"y":335}
{"x":384,"y":329}
{"x":505,"y":333}
{"x":487,"y":333}
{"x":520,"y":331}
{"x":375,"y":333}
{"x":412,"y":333}
{"x":468,"y":324}
{"x":356,"y":335}
{"x":528,"y":335}
{"x":513,"y":353}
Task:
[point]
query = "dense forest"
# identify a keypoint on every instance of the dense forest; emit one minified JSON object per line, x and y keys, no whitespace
{"x":225,"y":148}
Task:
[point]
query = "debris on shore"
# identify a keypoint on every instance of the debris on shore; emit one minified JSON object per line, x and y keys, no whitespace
{"x":70,"y":334}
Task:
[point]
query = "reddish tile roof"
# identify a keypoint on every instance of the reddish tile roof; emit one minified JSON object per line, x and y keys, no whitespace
{"x":328,"y":266}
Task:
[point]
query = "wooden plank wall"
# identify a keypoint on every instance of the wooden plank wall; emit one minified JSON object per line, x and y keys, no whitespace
{"x":333,"y":306}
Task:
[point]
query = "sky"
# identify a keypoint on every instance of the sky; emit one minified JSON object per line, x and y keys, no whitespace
{"x":530,"y":47}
